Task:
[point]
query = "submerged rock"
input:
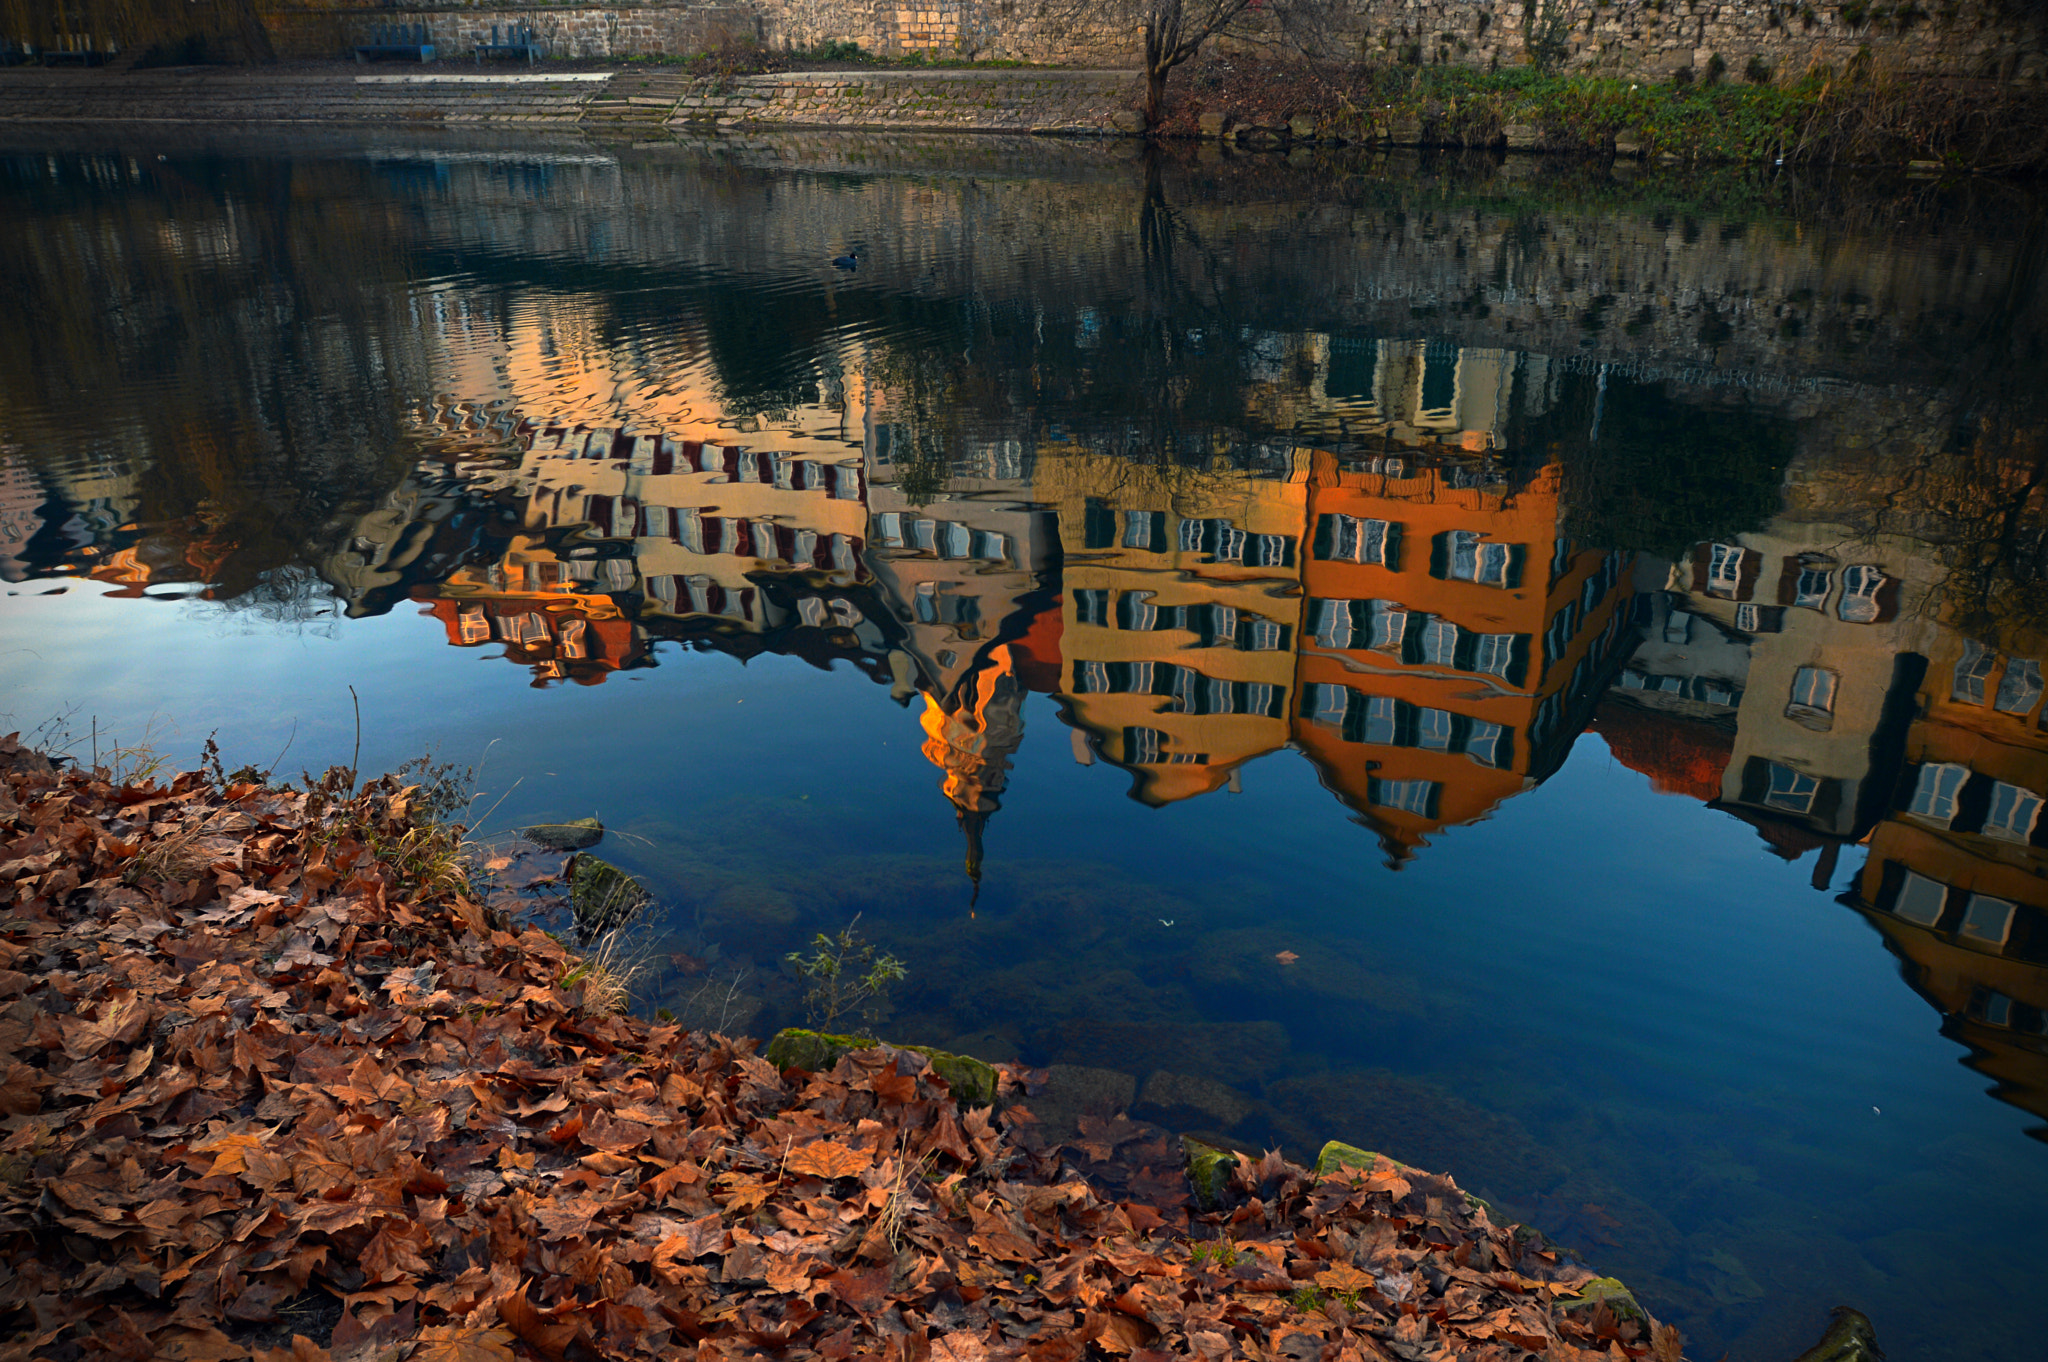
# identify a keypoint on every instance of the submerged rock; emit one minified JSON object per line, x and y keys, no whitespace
{"x":973,"y":1081}
{"x":1208,"y":1172}
{"x":1075,"y":1090}
{"x":603,"y":896}
{"x":577,"y":834}
{"x":1849,"y":1339}
{"x":1179,"y":1101}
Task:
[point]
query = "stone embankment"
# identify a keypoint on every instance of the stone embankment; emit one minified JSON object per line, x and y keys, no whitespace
{"x":1049,"y":101}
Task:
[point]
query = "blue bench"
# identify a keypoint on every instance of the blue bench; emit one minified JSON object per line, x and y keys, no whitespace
{"x":397,"y":40}
{"x":517,"y":42}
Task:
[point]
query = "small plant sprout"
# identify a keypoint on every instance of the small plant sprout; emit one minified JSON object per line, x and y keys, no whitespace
{"x":849,"y":977}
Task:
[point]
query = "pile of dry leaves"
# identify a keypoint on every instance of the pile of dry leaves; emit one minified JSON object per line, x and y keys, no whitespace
{"x":269,"y":1095}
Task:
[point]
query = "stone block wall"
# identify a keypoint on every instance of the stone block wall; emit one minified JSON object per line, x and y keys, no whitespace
{"x":1992,"y":39}
{"x":563,"y":31}
{"x":1996,"y":39}
{"x":953,"y":101}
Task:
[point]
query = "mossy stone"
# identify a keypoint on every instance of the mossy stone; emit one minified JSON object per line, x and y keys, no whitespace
{"x":1336,"y":1154}
{"x":1208,"y":1172}
{"x":972,"y":1081}
{"x":1848,"y":1339}
{"x":1617,"y":1298}
{"x":577,"y":834}
{"x":603,"y":896}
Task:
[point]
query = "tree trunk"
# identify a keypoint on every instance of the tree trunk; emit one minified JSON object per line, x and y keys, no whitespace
{"x":1155,"y":95}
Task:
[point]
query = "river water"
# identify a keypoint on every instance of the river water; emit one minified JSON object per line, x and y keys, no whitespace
{"x":1529,"y":668}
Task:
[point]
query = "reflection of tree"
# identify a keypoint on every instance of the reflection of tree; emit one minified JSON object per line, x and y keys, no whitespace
{"x":170,"y":30}
{"x":246,"y":356}
{"x":1646,"y":472}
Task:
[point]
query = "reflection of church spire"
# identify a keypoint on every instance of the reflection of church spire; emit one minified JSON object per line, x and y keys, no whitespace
{"x":971,"y":736}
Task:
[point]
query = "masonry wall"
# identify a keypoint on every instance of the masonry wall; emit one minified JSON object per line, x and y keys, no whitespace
{"x":1995,"y":39}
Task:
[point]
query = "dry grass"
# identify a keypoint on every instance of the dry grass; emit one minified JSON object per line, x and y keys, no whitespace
{"x":607,"y":972}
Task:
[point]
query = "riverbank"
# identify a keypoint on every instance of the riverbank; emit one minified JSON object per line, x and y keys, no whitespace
{"x":1853,"y":118}
{"x":278,"y":1085}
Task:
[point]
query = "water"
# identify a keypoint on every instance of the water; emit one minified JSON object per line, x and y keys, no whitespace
{"x":1534,"y":671}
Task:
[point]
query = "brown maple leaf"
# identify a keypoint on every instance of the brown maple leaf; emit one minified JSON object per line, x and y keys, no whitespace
{"x":463,"y":1343}
{"x":829,"y":1159}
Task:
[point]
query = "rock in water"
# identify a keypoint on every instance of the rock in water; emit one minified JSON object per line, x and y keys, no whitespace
{"x":1849,"y":1339}
{"x":604,"y":896}
{"x":578,"y":834}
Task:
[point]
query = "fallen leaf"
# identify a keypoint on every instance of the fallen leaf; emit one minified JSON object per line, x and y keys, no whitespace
{"x":828,"y":1159}
{"x":1287,"y":957}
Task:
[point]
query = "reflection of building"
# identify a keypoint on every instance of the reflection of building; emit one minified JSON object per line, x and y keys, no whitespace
{"x":681,"y":538}
{"x":1181,"y":615}
{"x":1808,"y":655}
{"x":1453,"y":643}
{"x":1957,"y":877}
{"x":21,"y":498}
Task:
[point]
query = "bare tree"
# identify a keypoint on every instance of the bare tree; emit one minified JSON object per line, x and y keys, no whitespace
{"x":1173,"y":31}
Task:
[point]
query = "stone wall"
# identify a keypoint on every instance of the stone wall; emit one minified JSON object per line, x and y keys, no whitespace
{"x":564,"y":32}
{"x":1022,"y":101}
{"x":1998,"y":39}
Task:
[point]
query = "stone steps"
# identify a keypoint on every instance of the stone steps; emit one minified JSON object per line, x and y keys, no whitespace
{"x":637,"y":99}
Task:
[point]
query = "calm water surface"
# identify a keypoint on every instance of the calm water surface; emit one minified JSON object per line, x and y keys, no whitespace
{"x":1536,"y":672}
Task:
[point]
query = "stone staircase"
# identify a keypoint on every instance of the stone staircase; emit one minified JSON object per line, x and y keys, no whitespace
{"x":636,"y":101}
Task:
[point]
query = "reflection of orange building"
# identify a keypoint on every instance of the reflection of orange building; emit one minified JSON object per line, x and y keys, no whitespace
{"x":1451,"y":641}
{"x":1180,"y":615}
{"x":1957,"y":877}
{"x":581,"y":639}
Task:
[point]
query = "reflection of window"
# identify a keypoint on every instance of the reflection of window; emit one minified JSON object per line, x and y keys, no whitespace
{"x":1760,"y":619}
{"x":1357,"y":540}
{"x":1262,"y":636}
{"x":1433,"y":731}
{"x":1389,"y":626}
{"x":1920,"y":899}
{"x":2012,"y":814}
{"x":1409,"y":796}
{"x":1143,"y":745}
{"x":1494,"y":654}
{"x":1790,"y":790}
{"x":571,"y":644}
{"x":1724,"y":569}
{"x":1332,"y":623}
{"x":1973,"y":669}
{"x":1381,"y":715}
{"x":1145,"y":530}
{"x":1472,"y":559}
{"x":1487,"y":744}
{"x":1814,"y":688}
{"x":1325,"y":704}
{"x":1860,"y":584}
{"x":1440,"y":643}
{"x":1934,"y":795}
{"x":1678,"y":627}
{"x":1986,"y":919}
{"x":475,"y":624}
{"x":1558,"y":636}
{"x":1134,"y":610}
{"x":1091,"y":607}
{"x":2020,"y":687}
{"x":1811,"y":590}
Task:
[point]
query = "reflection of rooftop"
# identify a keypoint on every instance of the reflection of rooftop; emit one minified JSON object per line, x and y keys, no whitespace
{"x":1680,"y":755}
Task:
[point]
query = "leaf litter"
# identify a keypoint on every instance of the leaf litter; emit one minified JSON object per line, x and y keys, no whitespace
{"x":269,"y":1098}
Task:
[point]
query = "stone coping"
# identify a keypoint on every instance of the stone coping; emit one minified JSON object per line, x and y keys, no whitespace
{"x":587,"y":77}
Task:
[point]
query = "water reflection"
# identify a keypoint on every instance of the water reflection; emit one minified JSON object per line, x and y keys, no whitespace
{"x":1164,"y":491}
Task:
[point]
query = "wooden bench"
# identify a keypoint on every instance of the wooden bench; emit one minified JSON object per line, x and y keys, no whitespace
{"x":397,"y":40}
{"x":517,"y":42}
